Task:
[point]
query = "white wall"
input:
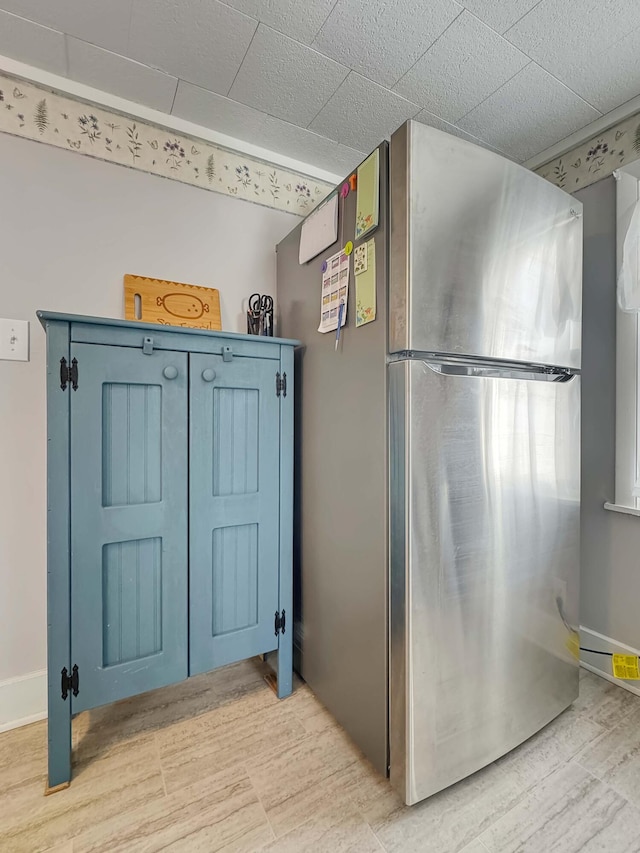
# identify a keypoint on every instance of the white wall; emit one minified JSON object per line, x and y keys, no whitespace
{"x":70,"y":228}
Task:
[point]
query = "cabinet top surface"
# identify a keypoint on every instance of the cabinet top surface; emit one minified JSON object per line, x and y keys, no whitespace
{"x":53,"y":316}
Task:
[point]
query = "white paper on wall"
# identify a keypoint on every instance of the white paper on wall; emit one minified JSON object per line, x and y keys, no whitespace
{"x":319,"y":230}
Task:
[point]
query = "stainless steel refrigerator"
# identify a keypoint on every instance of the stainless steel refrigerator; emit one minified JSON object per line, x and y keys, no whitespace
{"x":438,"y":465}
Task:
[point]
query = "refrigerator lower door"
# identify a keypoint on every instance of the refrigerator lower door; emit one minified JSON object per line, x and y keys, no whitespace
{"x":485,"y":501}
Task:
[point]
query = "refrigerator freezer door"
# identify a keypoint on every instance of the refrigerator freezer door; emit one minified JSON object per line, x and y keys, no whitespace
{"x":485,"y":503}
{"x":486,"y":257}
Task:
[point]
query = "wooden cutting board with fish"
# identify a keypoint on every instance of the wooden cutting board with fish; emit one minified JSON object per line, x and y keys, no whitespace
{"x":171,"y":303}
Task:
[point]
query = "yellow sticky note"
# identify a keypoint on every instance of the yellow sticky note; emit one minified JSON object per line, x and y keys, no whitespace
{"x":573,"y":644}
{"x":626,"y":666}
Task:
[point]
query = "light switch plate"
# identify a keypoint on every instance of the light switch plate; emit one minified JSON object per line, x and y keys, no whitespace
{"x":14,"y":340}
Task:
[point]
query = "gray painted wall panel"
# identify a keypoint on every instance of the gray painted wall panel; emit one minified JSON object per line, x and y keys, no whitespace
{"x":610,"y":542}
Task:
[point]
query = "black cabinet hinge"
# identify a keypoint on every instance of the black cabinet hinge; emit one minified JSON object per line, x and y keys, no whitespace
{"x":69,"y":374}
{"x":70,"y":682}
{"x":280,"y":623}
{"x":281,"y":384}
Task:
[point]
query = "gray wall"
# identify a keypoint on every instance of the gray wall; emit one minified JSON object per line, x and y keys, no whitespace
{"x":610,"y":577}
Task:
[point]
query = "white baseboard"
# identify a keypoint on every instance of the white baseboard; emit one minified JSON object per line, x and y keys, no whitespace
{"x":23,"y":700}
{"x":600,"y":664}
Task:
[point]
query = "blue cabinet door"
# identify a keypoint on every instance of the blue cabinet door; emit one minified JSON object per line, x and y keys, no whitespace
{"x":234,"y":509}
{"x":129,"y":469}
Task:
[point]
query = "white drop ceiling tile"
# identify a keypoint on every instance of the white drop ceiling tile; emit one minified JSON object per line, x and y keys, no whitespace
{"x":609,"y":78}
{"x":425,"y":117}
{"x":561,"y":35}
{"x":102,"y":22}
{"x":33,"y":44}
{"x":529,"y":113}
{"x":285,"y":78}
{"x":241,"y":122}
{"x":499,"y":14}
{"x":466,"y":64}
{"x":361,"y":114}
{"x":219,"y":113}
{"x":309,"y":147}
{"x":383,"y":40}
{"x":287,"y":16}
{"x":202,"y":41}
{"x":120,"y":76}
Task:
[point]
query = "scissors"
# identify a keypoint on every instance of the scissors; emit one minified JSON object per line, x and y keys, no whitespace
{"x":260,"y":314}
{"x":258,"y":303}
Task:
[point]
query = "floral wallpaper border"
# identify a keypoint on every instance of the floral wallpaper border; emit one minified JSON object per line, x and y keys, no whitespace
{"x":596,"y":159}
{"x":41,"y":114}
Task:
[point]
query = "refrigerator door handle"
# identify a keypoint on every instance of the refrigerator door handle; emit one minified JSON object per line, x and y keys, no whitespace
{"x":531,"y":373}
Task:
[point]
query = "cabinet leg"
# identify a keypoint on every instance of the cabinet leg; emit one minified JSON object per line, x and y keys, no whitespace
{"x":58,"y":559}
{"x":285,"y":665}
{"x":285,"y":592}
{"x":59,"y":735}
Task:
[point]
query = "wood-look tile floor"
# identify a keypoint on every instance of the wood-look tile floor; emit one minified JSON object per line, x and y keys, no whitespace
{"x":219,"y":764}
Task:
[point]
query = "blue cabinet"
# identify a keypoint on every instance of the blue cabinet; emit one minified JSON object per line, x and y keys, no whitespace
{"x":169,"y":510}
